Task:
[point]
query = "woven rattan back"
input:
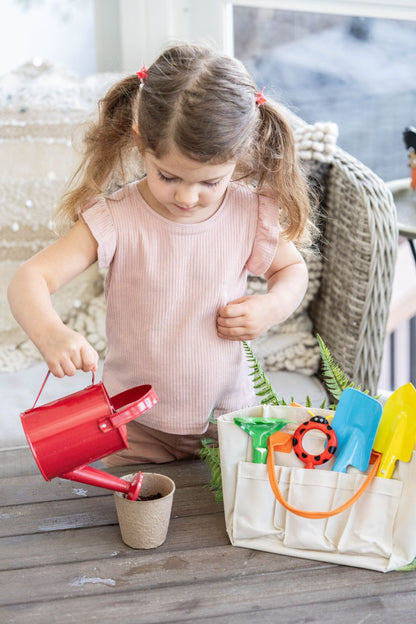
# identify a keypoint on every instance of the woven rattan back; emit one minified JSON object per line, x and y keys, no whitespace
{"x":359,"y":249}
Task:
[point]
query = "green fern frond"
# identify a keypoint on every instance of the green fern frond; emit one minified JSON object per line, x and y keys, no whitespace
{"x":211,"y":456}
{"x":261,"y":383}
{"x":335,"y":379}
{"x":409,"y":567}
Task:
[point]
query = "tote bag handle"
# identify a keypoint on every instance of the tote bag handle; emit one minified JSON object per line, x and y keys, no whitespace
{"x":375,"y":458}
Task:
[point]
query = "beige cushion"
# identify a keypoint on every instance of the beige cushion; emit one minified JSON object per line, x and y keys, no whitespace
{"x":41,"y":108}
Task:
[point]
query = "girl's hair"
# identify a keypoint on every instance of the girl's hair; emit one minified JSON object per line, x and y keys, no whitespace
{"x":203,"y":104}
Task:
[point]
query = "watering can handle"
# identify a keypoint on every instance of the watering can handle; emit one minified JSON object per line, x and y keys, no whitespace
{"x":134,"y":402}
{"x":317,"y":514}
{"x":44,"y":383}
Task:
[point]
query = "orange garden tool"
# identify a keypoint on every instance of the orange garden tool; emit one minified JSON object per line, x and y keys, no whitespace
{"x":396,"y":435}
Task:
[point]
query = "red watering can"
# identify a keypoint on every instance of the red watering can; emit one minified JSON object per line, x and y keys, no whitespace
{"x":69,"y":433}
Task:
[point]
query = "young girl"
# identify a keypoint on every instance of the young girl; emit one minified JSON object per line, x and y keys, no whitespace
{"x":222,"y":195}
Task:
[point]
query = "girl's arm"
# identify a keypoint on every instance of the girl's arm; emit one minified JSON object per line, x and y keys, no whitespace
{"x":30,"y":301}
{"x":248,"y":317}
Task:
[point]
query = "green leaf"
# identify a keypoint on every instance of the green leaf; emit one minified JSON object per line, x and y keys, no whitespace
{"x":334,"y":377}
{"x":261,"y":384}
{"x":212,"y":419}
{"x":211,"y":456}
{"x":409,"y":567}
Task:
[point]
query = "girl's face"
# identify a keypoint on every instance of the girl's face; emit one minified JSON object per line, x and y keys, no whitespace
{"x":184,"y":190}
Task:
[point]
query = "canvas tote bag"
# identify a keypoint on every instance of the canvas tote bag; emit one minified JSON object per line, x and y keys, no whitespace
{"x":357,"y":519}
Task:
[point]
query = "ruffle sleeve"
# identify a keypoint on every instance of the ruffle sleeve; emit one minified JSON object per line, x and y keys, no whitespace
{"x":266,"y":238}
{"x":97,"y":216}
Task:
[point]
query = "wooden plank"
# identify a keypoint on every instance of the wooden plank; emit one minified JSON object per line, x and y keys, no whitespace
{"x":299,"y":595}
{"x":184,"y":472}
{"x":369,"y":610}
{"x":104,"y":542}
{"x":17,"y":461}
{"x":34,"y":489}
{"x":141,"y":571}
{"x":87,"y":512}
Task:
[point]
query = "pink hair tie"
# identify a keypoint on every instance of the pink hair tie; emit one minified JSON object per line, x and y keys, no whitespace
{"x":142,"y":74}
{"x":260,"y":99}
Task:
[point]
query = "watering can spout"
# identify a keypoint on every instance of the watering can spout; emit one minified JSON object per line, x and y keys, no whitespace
{"x":92,"y":476}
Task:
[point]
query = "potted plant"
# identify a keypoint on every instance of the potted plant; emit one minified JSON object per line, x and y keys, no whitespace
{"x":144,"y":522}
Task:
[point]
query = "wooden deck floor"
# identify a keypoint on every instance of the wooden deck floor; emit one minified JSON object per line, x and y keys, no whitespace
{"x":63,"y":560}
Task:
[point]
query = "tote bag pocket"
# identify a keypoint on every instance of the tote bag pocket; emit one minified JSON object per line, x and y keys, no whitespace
{"x":365,"y":528}
{"x":310,"y":490}
{"x":255,"y":508}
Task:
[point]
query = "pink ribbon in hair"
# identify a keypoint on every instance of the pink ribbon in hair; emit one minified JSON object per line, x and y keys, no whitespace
{"x":142,"y":74}
{"x":260,"y":99}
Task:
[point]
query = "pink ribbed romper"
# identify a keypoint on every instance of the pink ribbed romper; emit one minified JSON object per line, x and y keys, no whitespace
{"x":165,"y":284}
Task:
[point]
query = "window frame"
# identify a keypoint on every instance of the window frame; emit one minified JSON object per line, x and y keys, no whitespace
{"x":400,"y":9}
{"x":141,"y":33}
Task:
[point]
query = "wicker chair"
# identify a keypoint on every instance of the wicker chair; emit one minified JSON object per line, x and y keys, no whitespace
{"x":359,"y":245}
{"x":350,"y":310}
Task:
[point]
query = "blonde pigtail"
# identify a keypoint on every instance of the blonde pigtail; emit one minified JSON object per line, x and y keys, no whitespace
{"x":280,"y":174}
{"x":106,"y":141}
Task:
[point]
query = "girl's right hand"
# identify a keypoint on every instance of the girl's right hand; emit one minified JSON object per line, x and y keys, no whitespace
{"x":66,"y":351}
{"x":30,"y":290}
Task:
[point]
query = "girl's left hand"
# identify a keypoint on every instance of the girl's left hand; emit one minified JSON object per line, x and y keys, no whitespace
{"x":248,"y":317}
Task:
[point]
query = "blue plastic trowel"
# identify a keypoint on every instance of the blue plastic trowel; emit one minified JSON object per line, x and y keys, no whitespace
{"x":355,"y":423}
